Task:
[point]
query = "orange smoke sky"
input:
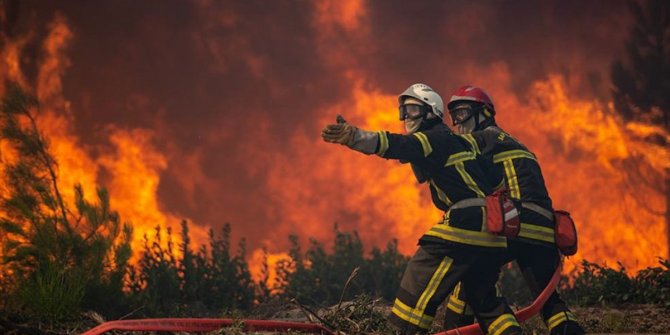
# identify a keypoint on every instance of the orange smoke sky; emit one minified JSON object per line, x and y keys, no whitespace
{"x":211,"y":111}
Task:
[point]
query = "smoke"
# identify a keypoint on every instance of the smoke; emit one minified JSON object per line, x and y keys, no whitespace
{"x":222,"y":101}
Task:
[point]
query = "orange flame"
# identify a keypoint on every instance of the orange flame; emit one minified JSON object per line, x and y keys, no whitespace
{"x":604,"y":171}
{"x":132,"y":167}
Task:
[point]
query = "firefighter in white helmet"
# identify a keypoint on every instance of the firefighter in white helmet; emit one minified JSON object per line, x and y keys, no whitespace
{"x":473,"y":115}
{"x":456,"y":249}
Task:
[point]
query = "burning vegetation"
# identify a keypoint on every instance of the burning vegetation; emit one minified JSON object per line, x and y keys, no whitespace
{"x":217,"y":121}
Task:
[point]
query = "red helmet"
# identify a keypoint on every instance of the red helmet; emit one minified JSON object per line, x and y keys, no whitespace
{"x":471,"y":93}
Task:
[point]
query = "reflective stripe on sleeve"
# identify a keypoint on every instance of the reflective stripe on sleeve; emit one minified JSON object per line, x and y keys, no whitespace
{"x":425,"y":144}
{"x":383,"y":143}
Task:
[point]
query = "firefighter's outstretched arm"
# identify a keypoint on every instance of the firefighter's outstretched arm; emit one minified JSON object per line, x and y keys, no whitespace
{"x":353,"y":137}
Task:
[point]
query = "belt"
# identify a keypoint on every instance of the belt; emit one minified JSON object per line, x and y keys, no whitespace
{"x":538,"y":209}
{"x":478,"y":202}
{"x":470,"y":202}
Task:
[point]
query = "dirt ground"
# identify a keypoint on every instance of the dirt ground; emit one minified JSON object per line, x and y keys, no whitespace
{"x":638,"y":319}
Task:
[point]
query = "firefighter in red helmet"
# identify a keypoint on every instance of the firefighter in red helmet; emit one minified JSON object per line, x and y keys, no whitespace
{"x":473,"y":115}
{"x":456,"y":249}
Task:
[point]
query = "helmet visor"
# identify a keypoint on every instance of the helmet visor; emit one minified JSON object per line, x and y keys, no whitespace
{"x":412,"y":111}
{"x":461,"y":114}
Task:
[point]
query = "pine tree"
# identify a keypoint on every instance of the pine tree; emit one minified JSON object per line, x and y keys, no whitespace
{"x":62,"y":256}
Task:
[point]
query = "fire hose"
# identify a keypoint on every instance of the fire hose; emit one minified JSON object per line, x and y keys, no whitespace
{"x":521,"y":315}
{"x":207,"y":325}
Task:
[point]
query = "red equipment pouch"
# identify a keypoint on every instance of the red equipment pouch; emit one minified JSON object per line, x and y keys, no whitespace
{"x":566,"y":233}
{"x":502,"y":217}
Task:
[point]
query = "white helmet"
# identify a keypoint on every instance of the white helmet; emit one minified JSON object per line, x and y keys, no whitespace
{"x":426,"y":94}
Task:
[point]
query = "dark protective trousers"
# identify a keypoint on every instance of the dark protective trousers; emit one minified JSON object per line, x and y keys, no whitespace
{"x":537,"y":264}
{"x":429,"y":279}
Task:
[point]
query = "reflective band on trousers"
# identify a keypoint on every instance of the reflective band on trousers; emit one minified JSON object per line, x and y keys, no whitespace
{"x":502,"y":323}
{"x":416,"y":315}
{"x":455,"y":304}
{"x":408,"y":314}
{"x":558,"y":318}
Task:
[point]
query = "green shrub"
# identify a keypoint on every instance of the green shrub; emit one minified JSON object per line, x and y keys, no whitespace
{"x":50,"y":247}
{"x":208,"y":282}
{"x":600,"y":285}
{"x":318,"y":277}
{"x":51,"y":293}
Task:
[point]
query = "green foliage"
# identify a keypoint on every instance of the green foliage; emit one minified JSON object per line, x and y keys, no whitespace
{"x":319,"y":277}
{"x":49,"y":246}
{"x":653,"y":284}
{"x":211,"y":280}
{"x":60,"y":257}
{"x":53,"y":293}
{"x":600,"y":285}
{"x":155,"y":282}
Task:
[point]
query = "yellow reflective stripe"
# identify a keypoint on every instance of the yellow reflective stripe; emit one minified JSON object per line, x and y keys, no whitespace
{"x":410,"y":315}
{"x":555,"y":320}
{"x":465,"y":236}
{"x":499,"y":186}
{"x":440,"y":194}
{"x":512,"y":154}
{"x":512,"y":180}
{"x":383,"y":143}
{"x":536,"y":232}
{"x":434,"y":282}
{"x":502,"y":323}
{"x":472,"y":141}
{"x":460,"y":167}
{"x":460,"y":157}
{"x":455,"y":304}
{"x":425,"y":144}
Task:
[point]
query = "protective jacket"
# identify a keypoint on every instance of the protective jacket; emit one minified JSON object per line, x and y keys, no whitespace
{"x":524,"y":180}
{"x":536,"y":261}
{"x":453,"y":173}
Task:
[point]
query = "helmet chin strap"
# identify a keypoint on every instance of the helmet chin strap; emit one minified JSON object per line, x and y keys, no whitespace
{"x":476,"y":122}
{"x":426,"y":121}
{"x":413,"y":125}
